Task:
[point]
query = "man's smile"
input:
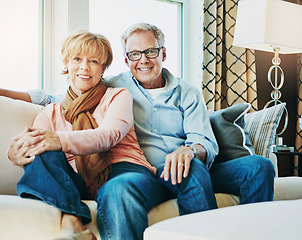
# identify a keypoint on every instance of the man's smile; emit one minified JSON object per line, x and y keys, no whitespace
{"x":145,"y":69}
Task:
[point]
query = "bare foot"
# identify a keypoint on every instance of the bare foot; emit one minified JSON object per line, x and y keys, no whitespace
{"x":73,"y":222}
{"x":73,"y":228}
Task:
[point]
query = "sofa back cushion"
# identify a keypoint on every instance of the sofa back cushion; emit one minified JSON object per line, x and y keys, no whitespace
{"x":15,"y":117}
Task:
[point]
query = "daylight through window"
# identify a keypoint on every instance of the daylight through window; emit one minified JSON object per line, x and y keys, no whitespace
{"x":111,"y":21}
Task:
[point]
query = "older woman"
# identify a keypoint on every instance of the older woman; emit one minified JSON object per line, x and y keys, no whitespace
{"x":78,"y":146}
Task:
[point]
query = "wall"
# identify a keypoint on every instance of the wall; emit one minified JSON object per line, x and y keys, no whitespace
{"x":289,"y":95}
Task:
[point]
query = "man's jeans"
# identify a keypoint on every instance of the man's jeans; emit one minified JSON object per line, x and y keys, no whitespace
{"x":132,"y":190}
{"x":250,"y":177}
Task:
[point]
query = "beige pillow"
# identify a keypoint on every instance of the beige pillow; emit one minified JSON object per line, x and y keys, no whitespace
{"x":15,"y":116}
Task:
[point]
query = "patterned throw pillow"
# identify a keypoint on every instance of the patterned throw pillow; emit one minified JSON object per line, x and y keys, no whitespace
{"x":229,"y":129}
{"x":262,"y":126}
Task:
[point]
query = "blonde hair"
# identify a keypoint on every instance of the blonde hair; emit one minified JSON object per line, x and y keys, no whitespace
{"x":141,"y":27}
{"x":82,"y":41}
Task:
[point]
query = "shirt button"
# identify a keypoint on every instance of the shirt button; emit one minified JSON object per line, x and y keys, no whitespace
{"x":155,"y":109}
{"x":155,"y":130}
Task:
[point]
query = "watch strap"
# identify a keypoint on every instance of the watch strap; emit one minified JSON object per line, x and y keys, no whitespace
{"x":193,"y":148}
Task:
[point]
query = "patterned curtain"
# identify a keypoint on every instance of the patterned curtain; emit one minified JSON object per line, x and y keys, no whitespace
{"x":229,"y":73}
{"x":299,"y":103}
{"x":298,"y":145}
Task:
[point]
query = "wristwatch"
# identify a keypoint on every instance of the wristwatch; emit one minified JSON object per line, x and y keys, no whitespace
{"x":193,"y":148}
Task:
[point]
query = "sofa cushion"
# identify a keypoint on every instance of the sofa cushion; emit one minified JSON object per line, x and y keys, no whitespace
{"x":262,"y":126}
{"x":229,"y":128}
{"x":15,"y":117}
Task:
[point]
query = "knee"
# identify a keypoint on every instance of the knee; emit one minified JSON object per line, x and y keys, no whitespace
{"x":198,"y":169}
{"x":262,"y":166}
{"x":265,"y":164}
{"x":198,"y":174}
{"x":117,"y":191}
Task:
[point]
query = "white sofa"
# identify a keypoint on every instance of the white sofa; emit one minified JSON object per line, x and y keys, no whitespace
{"x":31,"y":219}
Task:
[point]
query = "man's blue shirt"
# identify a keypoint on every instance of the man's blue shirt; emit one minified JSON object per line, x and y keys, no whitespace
{"x":174,"y":118}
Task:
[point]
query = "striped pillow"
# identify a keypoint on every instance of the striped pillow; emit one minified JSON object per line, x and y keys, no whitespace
{"x":262,"y":126}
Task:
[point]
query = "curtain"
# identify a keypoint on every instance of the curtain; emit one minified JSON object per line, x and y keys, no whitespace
{"x":229,"y":73}
{"x":298,"y":144}
{"x":299,"y":103}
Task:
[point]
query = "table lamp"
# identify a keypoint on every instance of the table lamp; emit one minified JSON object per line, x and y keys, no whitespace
{"x":271,"y":26}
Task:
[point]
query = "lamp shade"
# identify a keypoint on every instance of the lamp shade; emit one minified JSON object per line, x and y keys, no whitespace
{"x":261,"y":24}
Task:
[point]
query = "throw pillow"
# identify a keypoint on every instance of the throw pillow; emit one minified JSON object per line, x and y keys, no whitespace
{"x":262,"y":126}
{"x":229,"y":129}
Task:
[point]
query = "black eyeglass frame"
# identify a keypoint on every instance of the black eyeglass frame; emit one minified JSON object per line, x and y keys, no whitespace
{"x":144,"y":52}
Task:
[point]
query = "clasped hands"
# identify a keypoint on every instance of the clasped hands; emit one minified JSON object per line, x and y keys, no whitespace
{"x":31,"y":142}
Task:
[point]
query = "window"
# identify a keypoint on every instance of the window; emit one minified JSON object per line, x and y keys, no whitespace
{"x":20,"y":47}
{"x":180,"y":20}
{"x":111,"y":18}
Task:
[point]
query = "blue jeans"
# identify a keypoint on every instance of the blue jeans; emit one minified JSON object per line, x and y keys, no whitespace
{"x":250,"y":177}
{"x":123,"y":201}
{"x":51,"y":179}
{"x":132,"y":190}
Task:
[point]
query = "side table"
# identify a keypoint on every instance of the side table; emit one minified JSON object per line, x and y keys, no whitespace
{"x":291,"y":156}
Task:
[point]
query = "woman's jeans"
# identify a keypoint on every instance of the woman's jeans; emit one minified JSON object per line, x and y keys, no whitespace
{"x":132,"y":190}
{"x":51,"y":179}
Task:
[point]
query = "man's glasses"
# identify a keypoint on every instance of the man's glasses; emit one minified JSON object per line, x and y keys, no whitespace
{"x":149,"y":53}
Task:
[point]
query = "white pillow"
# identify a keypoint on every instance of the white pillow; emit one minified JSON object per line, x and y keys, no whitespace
{"x":262,"y":126}
{"x":15,"y":116}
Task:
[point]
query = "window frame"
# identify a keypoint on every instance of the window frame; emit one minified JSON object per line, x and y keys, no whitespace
{"x":61,"y":17}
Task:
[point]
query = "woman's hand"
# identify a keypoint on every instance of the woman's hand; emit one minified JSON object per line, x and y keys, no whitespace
{"x":50,"y":142}
{"x":21,"y":144}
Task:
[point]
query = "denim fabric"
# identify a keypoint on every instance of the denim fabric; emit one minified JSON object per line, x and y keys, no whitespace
{"x":195,"y":193}
{"x":250,"y":177}
{"x":51,"y":179}
{"x":132,"y":190}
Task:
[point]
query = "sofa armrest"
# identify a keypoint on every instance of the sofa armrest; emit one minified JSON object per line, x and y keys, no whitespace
{"x":288,"y":188}
{"x":274,"y":161}
{"x":15,"y":117}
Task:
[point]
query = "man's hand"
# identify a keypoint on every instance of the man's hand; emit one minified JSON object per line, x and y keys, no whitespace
{"x":178,"y":164}
{"x":21,"y":144}
{"x":24,"y":96}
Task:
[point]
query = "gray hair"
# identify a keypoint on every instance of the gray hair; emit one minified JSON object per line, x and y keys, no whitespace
{"x":141,"y":27}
